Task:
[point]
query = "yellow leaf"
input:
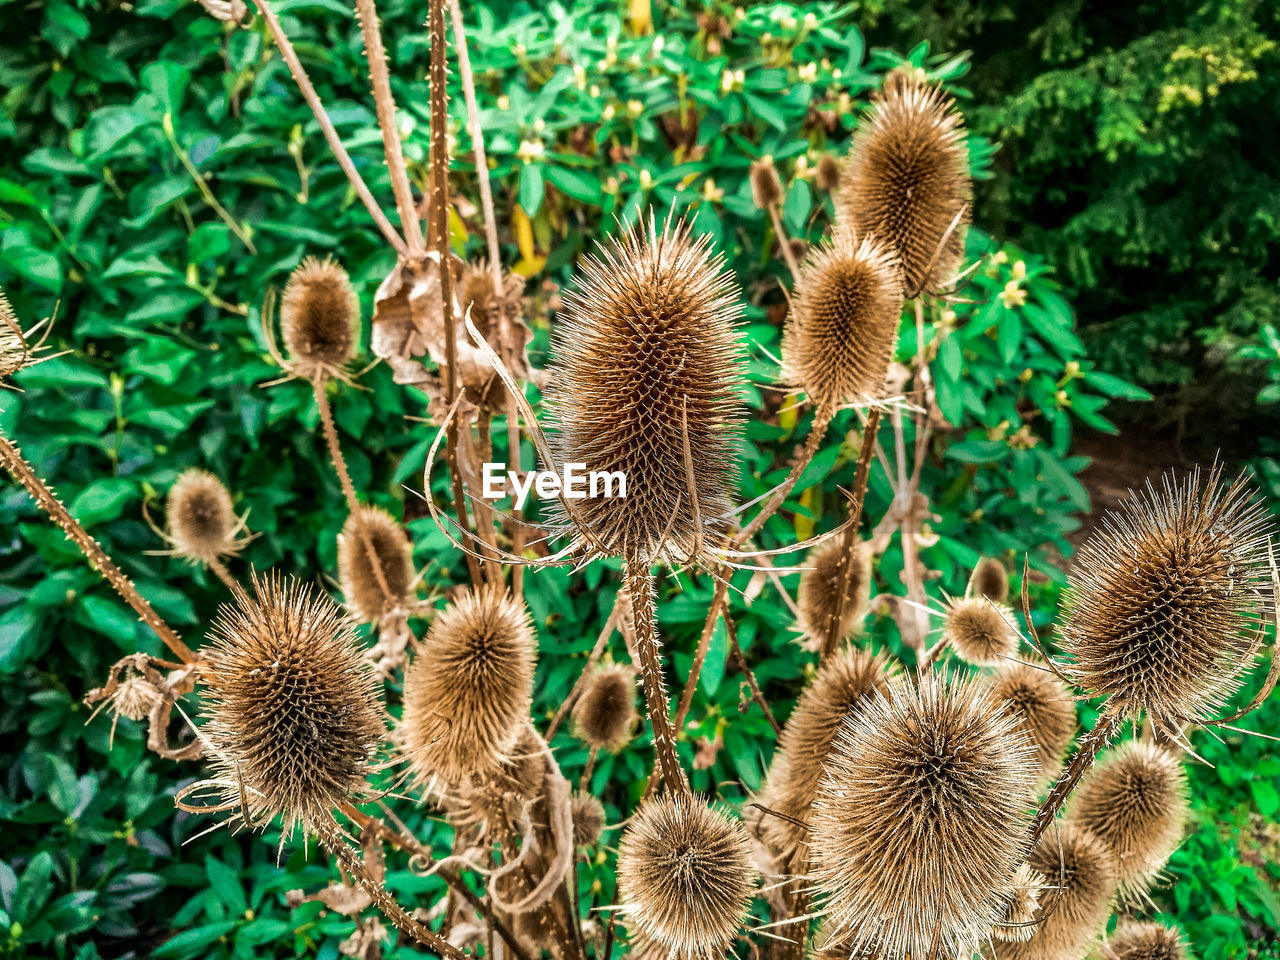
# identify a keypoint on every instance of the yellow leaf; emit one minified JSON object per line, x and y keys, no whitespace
{"x":787,"y":415}
{"x":528,"y":266}
{"x":804,"y":524}
{"x":524,"y":233}
{"x":641,"y":17}
{"x":457,"y":231}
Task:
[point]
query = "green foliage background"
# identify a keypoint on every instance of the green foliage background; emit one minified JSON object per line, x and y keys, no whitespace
{"x":106,"y":106}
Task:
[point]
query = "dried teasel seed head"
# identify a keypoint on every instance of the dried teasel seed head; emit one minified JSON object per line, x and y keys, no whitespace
{"x":1144,"y":941}
{"x":901,"y":78}
{"x":906,"y":181}
{"x":1080,"y":878}
{"x":588,"y":819}
{"x":685,"y":875}
{"x":499,"y":796}
{"x":202,"y":523}
{"x":936,"y":779}
{"x":13,"y":346}
{"x":292,"y":709}
{"x":1017,"y":924}
{"x":1165,"y":599}
{"x":646,"y":359}
{"x":605,"y":714}
{"x":134,"y":698}
{"x":1135,"y":801}
{"x":467,"y":691}
{"x":980,"y":631}
{"x":820,"y":586}
{"x":990,"y":580}
{"x":1044,"y":709}
{"x":766,"y":188}
{"x":320,"y":319}
{"x":828,"y":177}
{"x":371,"y":591}
{"x":846,"y":680}
{"x":843,"y":325}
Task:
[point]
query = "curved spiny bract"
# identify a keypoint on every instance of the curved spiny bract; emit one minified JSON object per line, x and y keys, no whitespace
{"x":1080,"y":875}
{"x":361,"y":584}
{"x":202,"y":522}
{"x":842,"y":328}
{"x":845,"y":681}
{"x":605,"y":714}
{"x":467,"y":691}
{"x":1044,"y":708}
{"x":1165,"y":599}
{"x":319,"y":319}
{"x":647,"y":346}
{"x":1145,"y":941}
{"x":819,"y":594}
{"x":921,"y":818}
{"x":906,"y":181}
{"x":1135,"y":801}
{"x":1018,"y":922}
{"x":980,"y":631}
{"x":990,"y":579}
{"x":685,"y":875}
{"x":293,"y":718}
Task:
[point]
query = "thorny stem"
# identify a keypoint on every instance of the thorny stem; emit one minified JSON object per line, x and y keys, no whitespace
{"x":385,"y":104}
{"x":326,"y":127}
{"x":12,"y":460}
{"x":597,"y":651}
{"x":220,"y":571}
{"x":1091,"y":744}
{"x":756,"y":693}
{"x":784,"y":242}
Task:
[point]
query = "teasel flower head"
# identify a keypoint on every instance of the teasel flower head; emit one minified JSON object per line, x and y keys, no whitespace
{"x":820,"y":586}
{"x":605,"y":715}
{"x":467,"y":691}
{"x":935,"y":779}
{"x":293,"y":718}
{"x":980,"y":631}
{"x":990,"y":580}
{"x":1044,"y":709}
{"x":1080,"y":876}
{"x":372,"y":591}
{"x":319,"y":319}
{"x":847,"y":680}
{"x":1144,"y":941}
{"x":1164,"y":601}
{"x":202,"y":522}
{"x":766,"y":188}
{"x":588,"y":819}
{"x":685,"y":875}
{"x":647,"y":381}
{"x":1018,"y":922}
{"x":1135,"y":801}
{"x":842,"y":328}
{"x":828,"y":177}
{"x":499,"y":796}
{"x":906,"y":181}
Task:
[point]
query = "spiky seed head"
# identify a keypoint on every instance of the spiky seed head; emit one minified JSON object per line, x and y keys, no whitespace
{"x":936,"y":779}
{"x":291,"y":706}
{"x":588,"y":819}
{"x":841,"y":331}
{"x":647,"y":346}
{"x":605,"y":714}
{"x":901,"y":78}
{"x":320,"y":319}
{"x":980,"y":631}
{"x":685,"y":875}
{"x":499,"y":796}
{"x":467,"y":691}
{"x":1019,"y":915}
{"x":766,"y":188}
{"x":1164,"y":599}
{"x":1044,"y":708}
{"x":13,"y":348}
{"x":820,"y":585}
{"x":1145,"y":941}
{"x":906,"y":181}
{"x":201,"y":519}
{"x":371,"y":528}
{"x":845,"y":681}
{"x":828,"y":177}
{"x":1135,"y":801}
{"x":1080,"y":875}
{"x":134,"y":698}
{"x":990,"y":580}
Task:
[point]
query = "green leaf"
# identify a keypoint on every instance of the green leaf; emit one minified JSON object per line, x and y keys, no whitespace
{"x":1113,"y":386}
{"x":532,"y":187}
{"x":109,"y":128}
{"x":63,"y":790}
{"x":192,"y":943}
{"x":978,"y":451}
{"x":1266,"y":797}
{"x":575,"y":183}
{"x":226,"y":885}
{"x":796,"y":208}
{"x":717,"y":655}
{"x":34,"y":887}
{"x":102,"y":500}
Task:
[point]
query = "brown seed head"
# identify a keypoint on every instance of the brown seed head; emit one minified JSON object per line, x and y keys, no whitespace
{"x":990,"y":580}
{"x":906,"y":181}
{"x":1165,"y":598}
{"x":936,"y":780}
{"x":901,"y":78}
{"x":1044,"y":709}
{"x":134,"y":698}
{"x":320,"y":319}
{"x":648,"y":345}
{"x":493,"y":800}
{"x":202,"y":521}
{"x":1135,"y":801}
{"x":980,"y":631}
{"x":468,"y":690}
{"x":1145,"y":941}
{"x":292,"y":710}
{"x":605,"y":713}
{"x":766,"y":188}
{"x":843,"y":325}
{"x":13,"y":346}
{"x":370,"y":527}
{"x":685,"y":875}
{"x":588,"y":819}
{"x":828,"y":173}
{"x":1081,"y":881}
{"x":1019,"y":915}
{"x":819,"y":596}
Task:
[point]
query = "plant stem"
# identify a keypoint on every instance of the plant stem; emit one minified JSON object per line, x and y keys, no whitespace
{"x":784,"y":242}
{"x":596,"y":652}
{"x":12,"y":460}
{"x":756,"y":693}
{"x":203,"y":186}
{"x":1091,"y":744}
